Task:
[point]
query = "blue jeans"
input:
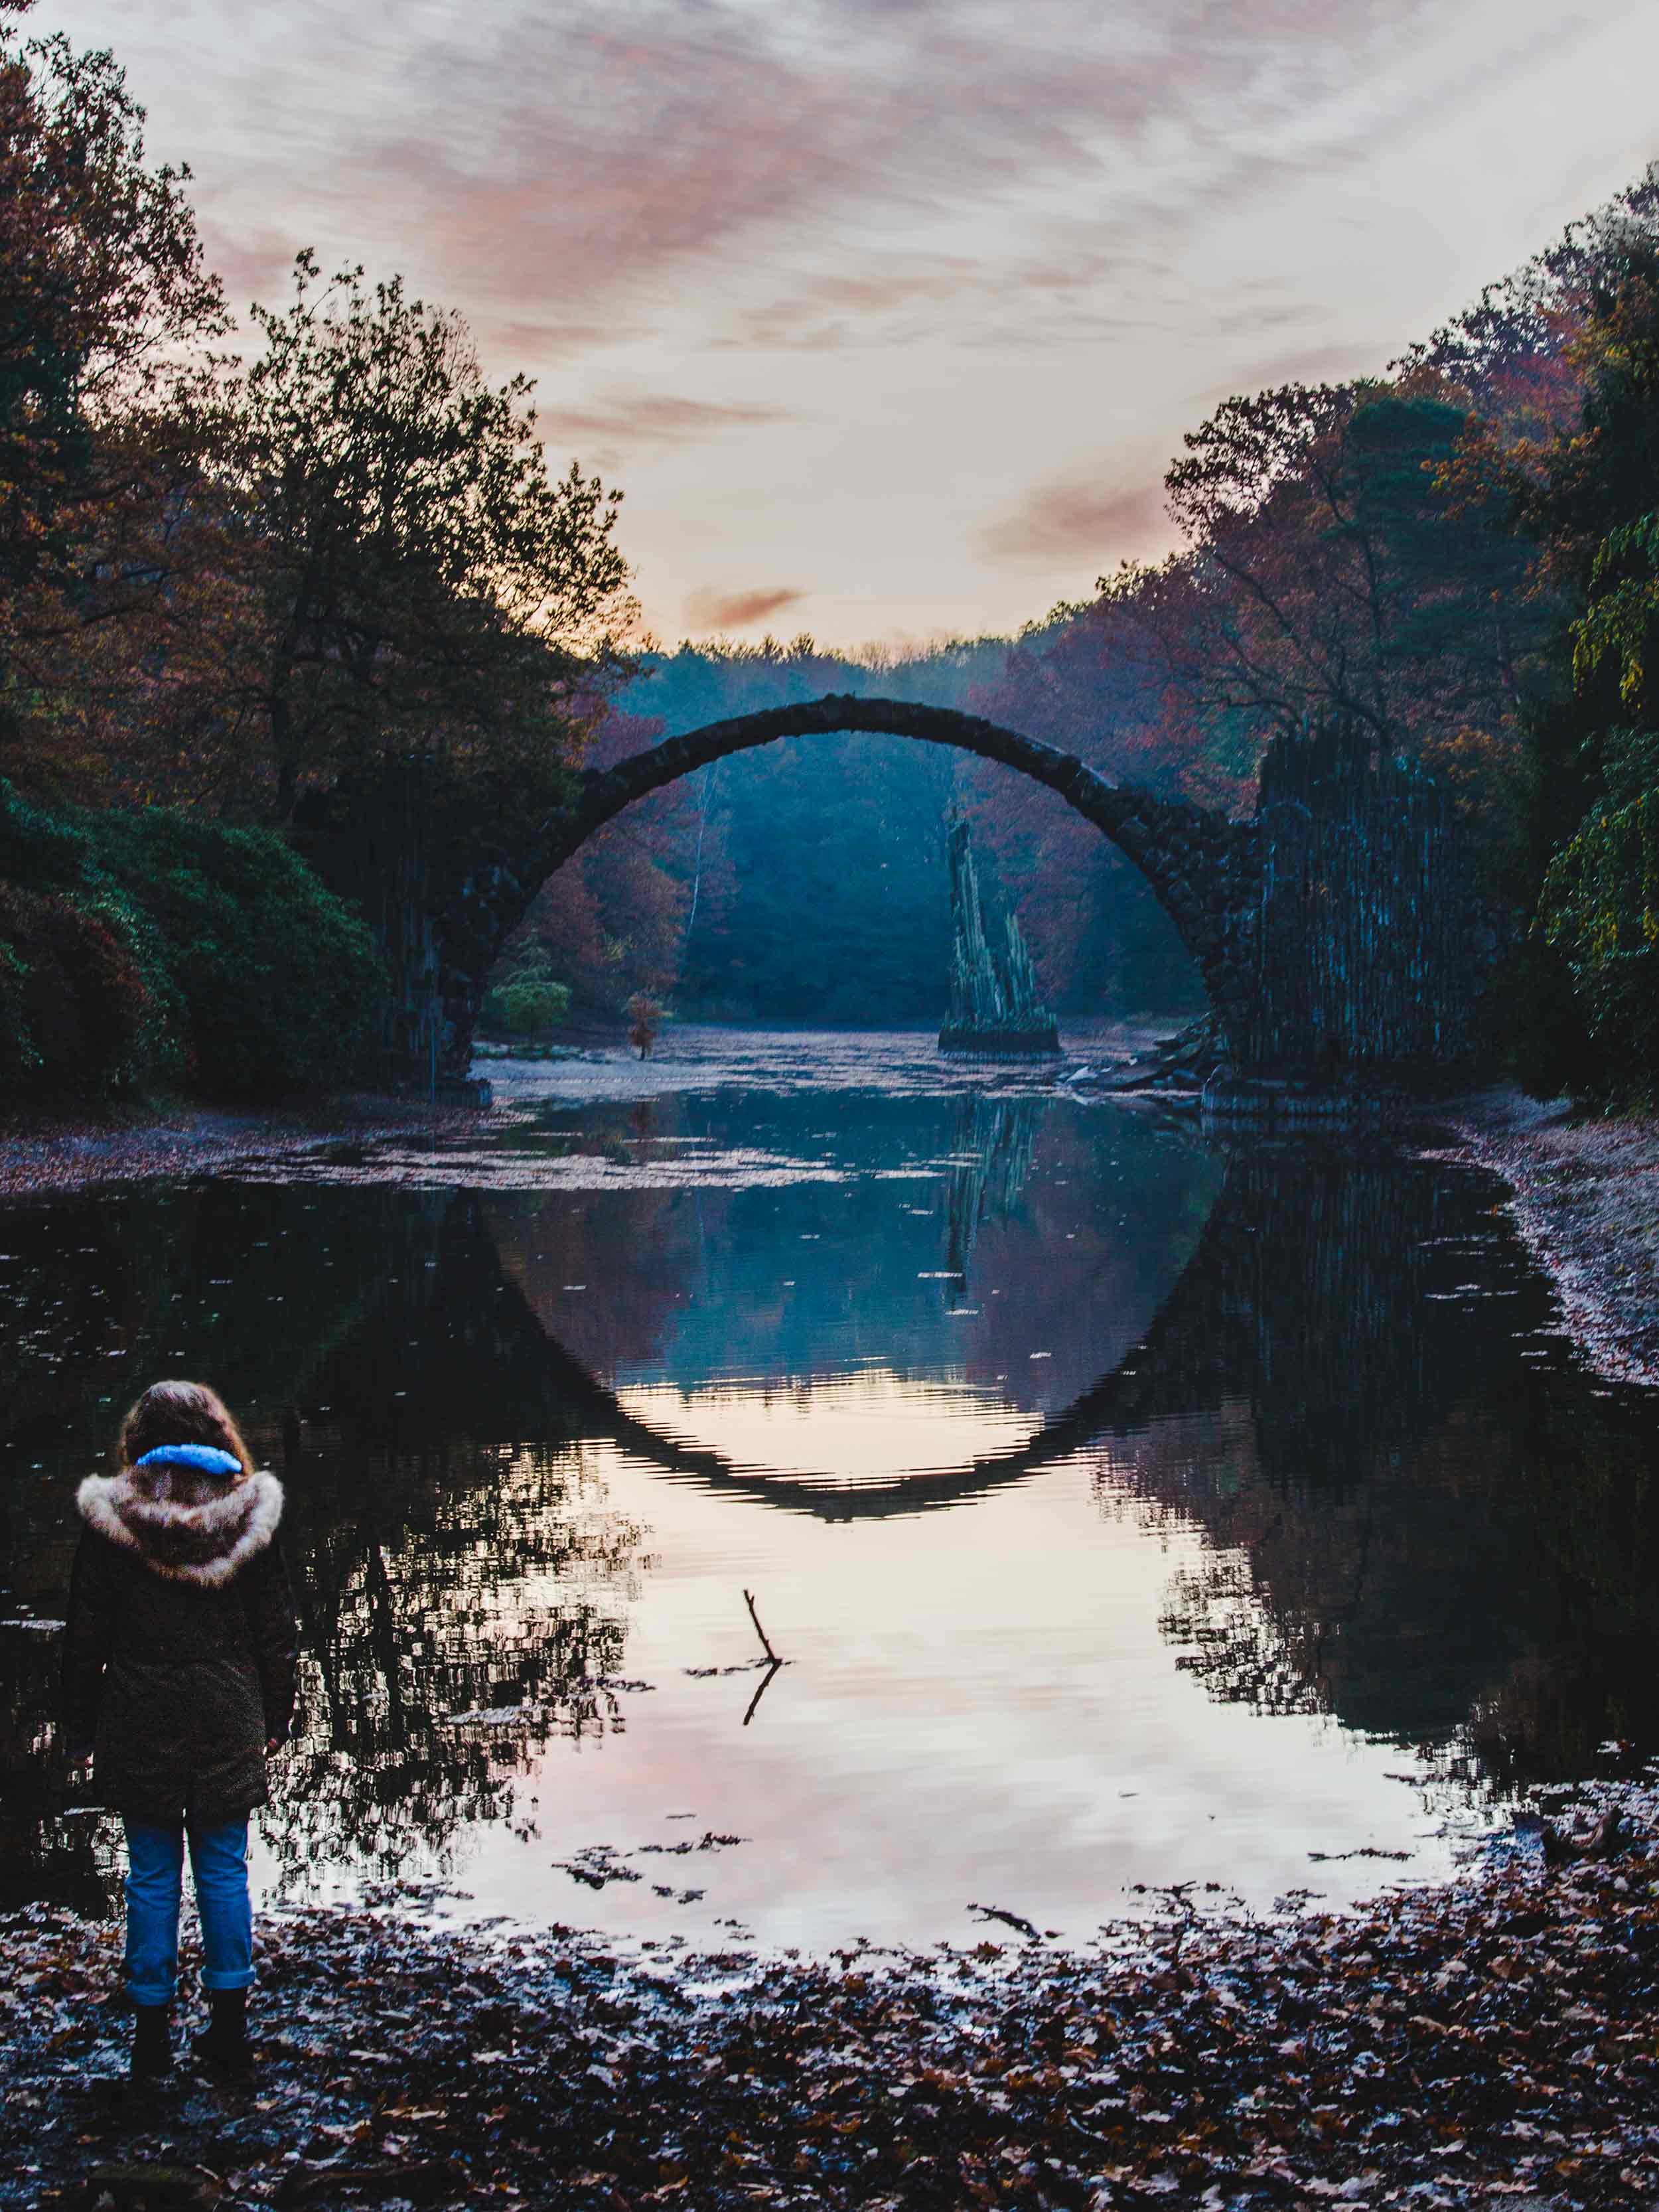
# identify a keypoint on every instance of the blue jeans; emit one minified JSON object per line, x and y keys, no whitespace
{"x":156,"y":1871}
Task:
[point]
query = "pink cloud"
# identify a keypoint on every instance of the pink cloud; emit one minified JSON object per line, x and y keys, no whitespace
{"x":252,"y":264}
{"x":659,"y":420}
{"x":730,"y":611}
{"x":1081,"y":520}
{"x":570,"y":155}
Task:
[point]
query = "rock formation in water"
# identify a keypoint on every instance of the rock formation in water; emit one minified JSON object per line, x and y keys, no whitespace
{"x":994,"y":1006}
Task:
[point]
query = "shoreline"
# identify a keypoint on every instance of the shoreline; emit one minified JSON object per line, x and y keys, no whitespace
{"x":1584,"y":1193}
{"x":1443,"y":2046}
{"x":57,"y":1153}
{"x":58,"y":1157}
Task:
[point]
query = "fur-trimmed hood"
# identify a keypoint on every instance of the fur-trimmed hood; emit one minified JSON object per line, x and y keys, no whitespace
{"x":185,"y":1526}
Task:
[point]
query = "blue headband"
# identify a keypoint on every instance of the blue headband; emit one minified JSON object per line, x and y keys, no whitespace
{"x":206,"y":1459}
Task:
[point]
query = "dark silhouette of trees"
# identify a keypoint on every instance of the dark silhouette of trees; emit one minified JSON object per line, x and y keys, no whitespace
{"x":1595,"y":750}
{"x":106,"y":310}
{"x":403,"y":575}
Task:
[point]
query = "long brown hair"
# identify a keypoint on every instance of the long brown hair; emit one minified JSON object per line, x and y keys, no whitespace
{"x":179,"y":1413}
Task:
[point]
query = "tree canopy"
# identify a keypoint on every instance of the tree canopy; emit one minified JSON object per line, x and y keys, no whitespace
{"x":106,"y":312}
{"x":406,"y":574}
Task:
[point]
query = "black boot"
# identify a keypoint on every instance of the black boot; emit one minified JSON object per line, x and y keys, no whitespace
{"x":222,"y":2046}
{"x":152,"y":2042}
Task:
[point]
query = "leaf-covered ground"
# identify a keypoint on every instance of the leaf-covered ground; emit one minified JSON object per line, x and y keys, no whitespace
{"x":1498,"y":2040}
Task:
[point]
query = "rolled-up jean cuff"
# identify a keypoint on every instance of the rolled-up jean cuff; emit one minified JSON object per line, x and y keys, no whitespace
{"x":146,"y":1993}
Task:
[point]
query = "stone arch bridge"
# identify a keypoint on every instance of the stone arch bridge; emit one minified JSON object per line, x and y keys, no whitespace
{"x":1333,"y":928}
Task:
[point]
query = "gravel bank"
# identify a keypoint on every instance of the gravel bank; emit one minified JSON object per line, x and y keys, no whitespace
{"x":49,"y":1156}
{"x":1586,"y":1200}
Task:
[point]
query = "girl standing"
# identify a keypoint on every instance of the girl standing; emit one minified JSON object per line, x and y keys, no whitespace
{"x":179,"y":1678}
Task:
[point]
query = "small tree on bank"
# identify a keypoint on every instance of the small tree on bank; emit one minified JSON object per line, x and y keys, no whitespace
{"x":644,"y":1020}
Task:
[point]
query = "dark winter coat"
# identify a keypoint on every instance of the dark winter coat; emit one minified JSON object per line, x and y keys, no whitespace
{"x":180,"y":1649}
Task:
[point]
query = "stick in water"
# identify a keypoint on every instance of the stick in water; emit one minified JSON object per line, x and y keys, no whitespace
{"x":766,"y":1641}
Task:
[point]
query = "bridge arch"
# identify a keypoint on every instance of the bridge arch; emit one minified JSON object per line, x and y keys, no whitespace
{"x":1202,"y":868}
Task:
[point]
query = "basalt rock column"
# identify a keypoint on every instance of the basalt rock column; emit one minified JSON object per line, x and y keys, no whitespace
{"x":994,"y":1006}
{"x":1372,"y":947}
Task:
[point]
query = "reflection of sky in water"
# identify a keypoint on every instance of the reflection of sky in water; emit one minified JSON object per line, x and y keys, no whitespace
{"x":866,"y":1427}
{"x":980,"y":1708}
{"x":1129,"y":1511}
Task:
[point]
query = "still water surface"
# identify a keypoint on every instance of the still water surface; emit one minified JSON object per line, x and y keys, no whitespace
{"x":1127,"y":1507}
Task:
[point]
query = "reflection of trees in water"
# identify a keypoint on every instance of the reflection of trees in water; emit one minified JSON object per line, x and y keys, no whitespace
{"x":1234,"y":1643}
{"x":454,"y":1554}
{"x":46,"y":1851}
{"x":464,"y":1580}
{"x":442,"y":1570}
{"x":1218,"y":1615}
{"x":1412,"y":1527}
{"x":1001,"y":1135}
{"x":1585,"y":1476}
{"x":1409,"y":1527}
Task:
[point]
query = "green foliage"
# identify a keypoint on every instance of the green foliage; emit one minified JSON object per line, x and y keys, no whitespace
{"x":1623,"y":609}
{"x":529,"y":1001}
{"x":279,"y":984}
{"x":155,"y":944}
{"x":1540,"y":1016}
{"x":837,"y":909}
{"x":74,"y":1006}
{"x":1593,"y":752}
{"x":1599,"y":911}
{"x":82,"y":1009}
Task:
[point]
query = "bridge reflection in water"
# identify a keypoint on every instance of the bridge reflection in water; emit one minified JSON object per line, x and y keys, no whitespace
{"x":1388,"y":1496}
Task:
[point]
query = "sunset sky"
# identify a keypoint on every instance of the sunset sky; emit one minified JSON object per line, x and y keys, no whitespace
{"x":887,"y":315}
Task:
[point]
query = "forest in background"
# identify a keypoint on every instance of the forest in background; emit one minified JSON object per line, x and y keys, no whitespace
{"x":1461,"y":555}
{"x":697,"y":895}
{"x":290,"y":636}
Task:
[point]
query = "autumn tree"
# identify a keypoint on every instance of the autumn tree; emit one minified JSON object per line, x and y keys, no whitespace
{"x":402,"y":630}
{"x":612,"y":921}
{"x":106,"y":311}
{"x":1335,"y":571}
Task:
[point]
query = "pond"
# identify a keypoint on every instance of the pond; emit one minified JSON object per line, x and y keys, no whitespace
{"x":1125,"y":1506}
